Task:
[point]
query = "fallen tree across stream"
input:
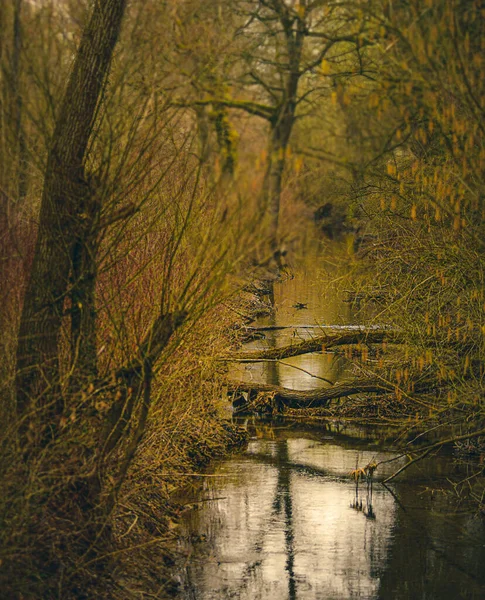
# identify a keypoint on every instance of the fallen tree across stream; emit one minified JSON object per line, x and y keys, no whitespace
{"x":321,"y":397}
{"x":253,"y":396}
{"x":344,"y":337}
{"x":322,"y":343}
{"x":263,"y":397}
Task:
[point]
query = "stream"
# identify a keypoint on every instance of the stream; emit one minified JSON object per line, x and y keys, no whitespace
{"x":284,"y":520}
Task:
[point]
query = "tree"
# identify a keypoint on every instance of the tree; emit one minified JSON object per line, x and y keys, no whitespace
{"x":64,"y":255}
{"x":282,"y":57}
{"x":132,"y":248}
{"x":422,"y":189}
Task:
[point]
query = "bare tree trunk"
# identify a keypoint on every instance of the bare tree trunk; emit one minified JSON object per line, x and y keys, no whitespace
{"x":19,"y":138}
{"x":63,"y":215}
{"x":226,"y":140}
{"x":83,"y":300}
{"x":280,"y":136}
{"x":258,"y":395}
{"x":203,"y":131}
{"x":284,"y":119}
{"x":333,"y":338}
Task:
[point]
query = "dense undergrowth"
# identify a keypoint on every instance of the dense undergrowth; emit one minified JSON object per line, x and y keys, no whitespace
{"x":49,"y":509}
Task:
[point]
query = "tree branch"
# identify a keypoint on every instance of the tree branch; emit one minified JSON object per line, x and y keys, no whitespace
{"x":325,"y":341}
{"x":253,"y":108}
{"x":308,"y":398}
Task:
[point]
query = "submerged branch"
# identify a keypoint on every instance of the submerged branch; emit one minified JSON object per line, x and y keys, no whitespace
{"x":436,"y":446}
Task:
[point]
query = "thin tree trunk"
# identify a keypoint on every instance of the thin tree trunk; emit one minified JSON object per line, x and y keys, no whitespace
{"x":3,"y":115}
{"x":282,"y":123}
{"x":273,"y":186}
{"x":203,"y":131}
{"x":226,"y":140}
{"x":62,"y":215}
{"x":83,"y":305}
{"x":320,"y":397}
{"x":19,"y":138}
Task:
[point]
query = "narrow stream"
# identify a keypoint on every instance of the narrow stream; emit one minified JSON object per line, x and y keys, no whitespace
{"x":319,"y":284}
{"x":283,"y":520}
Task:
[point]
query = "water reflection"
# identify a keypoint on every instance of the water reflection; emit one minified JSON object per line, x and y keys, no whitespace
{"x":285,"y":521}
{"x":319,"y":287}
{"x":309,"y":371}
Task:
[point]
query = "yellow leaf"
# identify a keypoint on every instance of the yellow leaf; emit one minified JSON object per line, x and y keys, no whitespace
{"x":325,"y":67}
{"x":298,"y":164}
{"x":301,"y":9}
{"x":373,"y":101}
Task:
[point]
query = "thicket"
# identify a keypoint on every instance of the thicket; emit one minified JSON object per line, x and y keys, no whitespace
{"x":118,"y":250}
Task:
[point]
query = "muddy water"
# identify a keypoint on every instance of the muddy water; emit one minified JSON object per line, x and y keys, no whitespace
{"x":284,"y":520}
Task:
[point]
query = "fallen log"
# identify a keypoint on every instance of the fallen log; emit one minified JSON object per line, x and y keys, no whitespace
{"x":322,"y":343}
{"x":252,"y":396}
{"x":256,"y":397}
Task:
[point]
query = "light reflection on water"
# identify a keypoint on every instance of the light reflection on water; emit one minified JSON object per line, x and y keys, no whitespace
{"x":320,"y":287}
{"x":283,"y":521}
{"x":288,"y":372}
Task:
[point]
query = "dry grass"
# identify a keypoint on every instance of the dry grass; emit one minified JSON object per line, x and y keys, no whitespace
{"x":48,"y":548}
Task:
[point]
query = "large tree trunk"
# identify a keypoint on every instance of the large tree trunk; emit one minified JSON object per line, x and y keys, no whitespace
{"x":63,"y":211}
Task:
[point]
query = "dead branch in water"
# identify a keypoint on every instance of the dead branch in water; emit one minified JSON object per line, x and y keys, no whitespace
{"x":322,"y":343}
{"x":250,"y":395}
{"x":320,"y":397}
